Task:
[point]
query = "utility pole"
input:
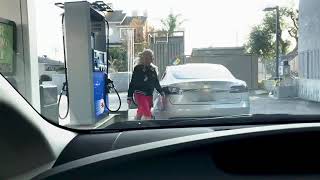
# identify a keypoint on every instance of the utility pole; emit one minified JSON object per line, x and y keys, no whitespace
{"x":277,"y":41}
{"x":277,"y":36}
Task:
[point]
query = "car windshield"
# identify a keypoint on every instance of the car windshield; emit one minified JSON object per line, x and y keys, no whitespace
{"x":205,"y":71}
{"x":92,"y":64}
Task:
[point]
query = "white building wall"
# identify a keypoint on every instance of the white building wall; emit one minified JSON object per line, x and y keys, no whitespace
{"x":309,"y":46}
{"x":115,"y":35}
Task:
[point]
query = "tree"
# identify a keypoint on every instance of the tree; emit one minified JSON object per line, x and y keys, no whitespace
{"x":140,"y":34}
{"x":262,"y":37}
{"x":171,"y":23}
{"x":138,"y":25}
{"x":293,"y":27}
{"x":118,"y":58}
{"x":260,"y":42}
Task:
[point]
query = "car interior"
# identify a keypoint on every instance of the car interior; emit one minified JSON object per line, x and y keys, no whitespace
{"x":220,"y":125}
{"x":41,"y":150}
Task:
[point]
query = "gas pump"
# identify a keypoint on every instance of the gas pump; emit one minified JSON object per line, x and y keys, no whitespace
{"x":86,"y":49}
{"x":99,"y":81}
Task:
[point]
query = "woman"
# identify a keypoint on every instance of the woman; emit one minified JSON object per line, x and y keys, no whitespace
{"x":143,"y":82}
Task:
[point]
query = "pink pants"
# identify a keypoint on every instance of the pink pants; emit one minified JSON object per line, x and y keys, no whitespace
{"x":144,"y":105}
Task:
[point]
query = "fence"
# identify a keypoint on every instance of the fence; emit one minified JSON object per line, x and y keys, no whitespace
{"x":294,"y":66}
{"x":264,"y":73}
{"x":167,"y":49}
{"x":266,"y":68}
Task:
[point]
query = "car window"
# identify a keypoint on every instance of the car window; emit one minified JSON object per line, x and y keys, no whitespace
{"x":89,"y":64}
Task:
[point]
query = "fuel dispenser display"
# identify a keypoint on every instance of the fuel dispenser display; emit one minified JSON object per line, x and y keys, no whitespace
{"x":86,"y":45}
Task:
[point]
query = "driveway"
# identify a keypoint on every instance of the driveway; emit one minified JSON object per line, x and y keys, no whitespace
{"x":265,"y":104}
{"x":259,"y":104}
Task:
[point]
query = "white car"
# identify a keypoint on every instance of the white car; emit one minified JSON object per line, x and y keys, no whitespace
{"x":200,"y":90}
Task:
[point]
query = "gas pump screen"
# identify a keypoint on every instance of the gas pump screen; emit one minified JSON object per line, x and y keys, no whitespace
{"x":6,"y":48}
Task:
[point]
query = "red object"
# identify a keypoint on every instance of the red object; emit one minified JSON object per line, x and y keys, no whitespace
{"x":144,"y":105}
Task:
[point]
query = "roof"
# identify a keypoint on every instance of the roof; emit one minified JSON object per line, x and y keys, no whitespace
{"x":217,"y":51}
{"x":116,"y":16}
{"x":218,"y":48}
{"x":127,"y":21}
{"x":46,"y":60}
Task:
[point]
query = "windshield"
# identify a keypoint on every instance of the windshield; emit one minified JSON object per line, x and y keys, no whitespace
{"x":205,"y":71}
{"x":88,"y":64}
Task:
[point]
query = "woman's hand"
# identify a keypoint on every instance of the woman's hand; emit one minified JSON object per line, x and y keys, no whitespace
{"x":162,"y":97}
{"x":129,"y":101}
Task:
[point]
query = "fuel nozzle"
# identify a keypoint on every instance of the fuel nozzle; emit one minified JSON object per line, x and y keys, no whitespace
{"x":64,"y":88}
{"x":110,"y":83}
{"x":108,"y":86}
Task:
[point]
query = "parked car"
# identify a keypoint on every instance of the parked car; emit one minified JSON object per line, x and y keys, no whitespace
{"x":201,"y":90}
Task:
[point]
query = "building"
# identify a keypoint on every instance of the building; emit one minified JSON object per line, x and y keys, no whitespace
{"x":309,"y":50}
{"x":119,"y":22}
{"x":51,"y":71}
{"x":242,"y":65}
{"x":115,"y":20}
{"x":49,"y":66}
{"x":128,"y":32}
{"x":217,"y":51}
{"x":139,"y":23}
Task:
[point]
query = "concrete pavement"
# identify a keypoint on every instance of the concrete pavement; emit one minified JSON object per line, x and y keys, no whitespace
{"x":259,"y":104}
{"x":114,"y":103}
{"x":265,"y":104}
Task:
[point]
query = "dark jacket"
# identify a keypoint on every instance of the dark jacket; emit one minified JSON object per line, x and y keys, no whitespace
{"x":144,"y":80}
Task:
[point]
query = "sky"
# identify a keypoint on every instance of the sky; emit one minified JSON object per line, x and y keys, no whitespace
{"x":207,"y":23}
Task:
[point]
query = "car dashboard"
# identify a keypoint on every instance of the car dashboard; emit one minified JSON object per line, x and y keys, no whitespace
{"x":264,"y":152}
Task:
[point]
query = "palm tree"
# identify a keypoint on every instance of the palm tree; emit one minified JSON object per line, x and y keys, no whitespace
{"x":171,"y":23}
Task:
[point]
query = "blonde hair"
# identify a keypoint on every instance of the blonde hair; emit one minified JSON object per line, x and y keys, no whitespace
{"x":143,"y":54}
{"x":139,"y":60}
